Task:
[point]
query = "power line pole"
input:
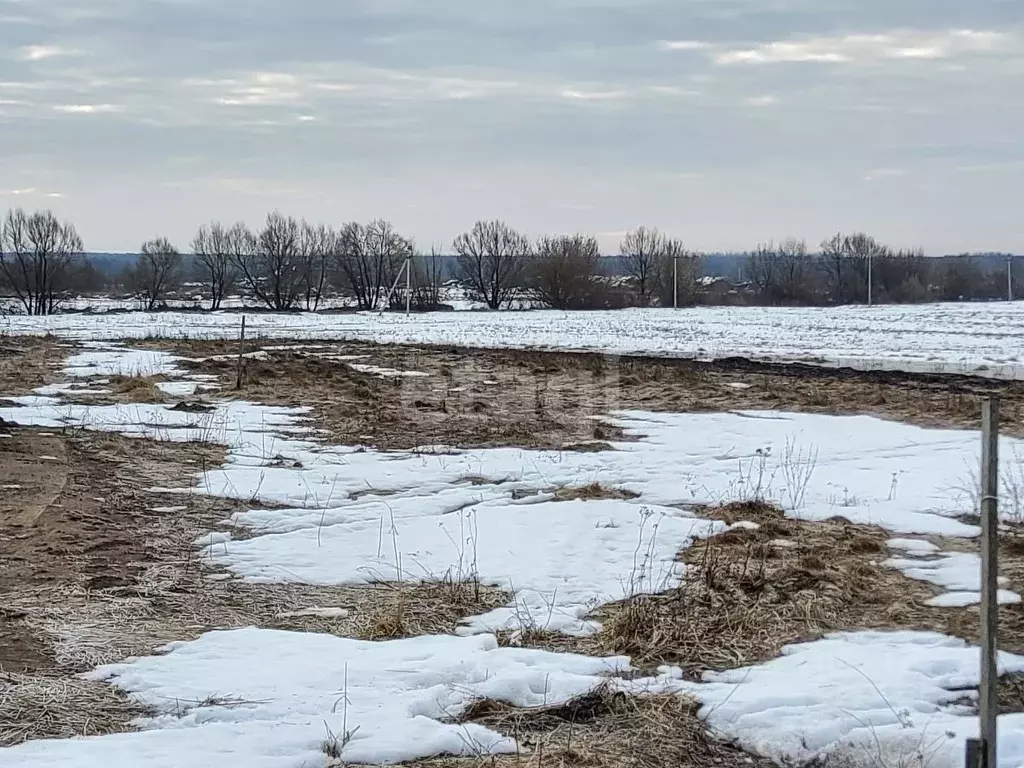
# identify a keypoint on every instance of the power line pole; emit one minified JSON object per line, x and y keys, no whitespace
{"x":1009,"y":278}
{"x":870,"y":260}
{"x":675,"y":281}
{"x":408,"y":284}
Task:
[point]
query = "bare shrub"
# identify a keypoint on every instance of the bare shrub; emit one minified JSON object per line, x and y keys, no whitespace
{"x":563,"y":271}
{"x":156,"y":273}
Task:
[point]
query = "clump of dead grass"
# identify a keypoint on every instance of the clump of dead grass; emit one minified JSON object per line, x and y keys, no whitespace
{"x":426,"y":608}
{"x":592,"y":492}
{"x":137,"y":389}
{"x":603,"y":728}
{"x":35,"y":707}
{"x":747,"y":593}
{"x":593,"y":446}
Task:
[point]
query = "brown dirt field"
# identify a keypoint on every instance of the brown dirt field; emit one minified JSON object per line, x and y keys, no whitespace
{"x":95,"y":567}
{"x":90,"y":573}
{"x":475,"y":398}
{"x":27,"y":362}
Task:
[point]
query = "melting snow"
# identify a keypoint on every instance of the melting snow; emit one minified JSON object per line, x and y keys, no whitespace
{"x":267,"y":699}
{"x":262,"y":698}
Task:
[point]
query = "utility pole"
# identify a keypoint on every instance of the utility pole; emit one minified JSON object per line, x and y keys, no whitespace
{"x":1009,"y":278}
{"x":675,"y":281}
{"x":408,"y":284}
{"x":870,"y":260}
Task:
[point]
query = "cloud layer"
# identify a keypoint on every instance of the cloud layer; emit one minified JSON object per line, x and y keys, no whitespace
{"x":722,"y":121}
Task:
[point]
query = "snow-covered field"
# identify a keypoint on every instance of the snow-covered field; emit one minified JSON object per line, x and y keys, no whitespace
{"x":323,"y":514}
{"x":960,"y":338}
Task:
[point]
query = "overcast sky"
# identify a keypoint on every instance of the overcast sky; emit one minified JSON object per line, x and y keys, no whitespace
{"x":724,"y":122}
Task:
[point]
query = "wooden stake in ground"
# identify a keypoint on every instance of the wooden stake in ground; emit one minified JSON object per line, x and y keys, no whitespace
{"x":983,"y":751}
{"x":241,"y":355}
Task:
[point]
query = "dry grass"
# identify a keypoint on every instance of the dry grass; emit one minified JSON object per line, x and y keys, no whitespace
{"x":592,"y":492}
{"x":38,"y":707}
{"x":427,"y":608}
{"x":481,"y":398}
{"x":137,"y":389}
{"x":27,"y":362}
{"x":593,"y":446}
{"x":747,"y":593}
{"x":602,"y":729}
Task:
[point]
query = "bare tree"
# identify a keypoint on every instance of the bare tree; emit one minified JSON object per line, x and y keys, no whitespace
{"x":795,"y":269}
{"x":157,"y":271}
{"x":762,"y":270}
{"x":847,"y":259}
{"x":563,"y":272}
{"x":490,"y":261}
{"x":642,"y":252}
{"x":962,"y":277}
{"x":212,"y":247}
{"x":38,"y":255}
{"x":428,"y":275}
{"x":903,"y":276}
{"x":367,"y":260}
{"x":316,"y":244}
{"x":388,"y":251}
{"x":271,"y":263}
{"x":833,"y":253}
{"x":677,"y":273}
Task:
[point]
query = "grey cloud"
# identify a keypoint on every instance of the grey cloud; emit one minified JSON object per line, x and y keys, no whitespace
{"x":557,"y":114}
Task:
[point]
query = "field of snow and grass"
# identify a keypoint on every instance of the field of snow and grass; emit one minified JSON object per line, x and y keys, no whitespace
{"x":987,"y":339}
{"x":321,"y":514}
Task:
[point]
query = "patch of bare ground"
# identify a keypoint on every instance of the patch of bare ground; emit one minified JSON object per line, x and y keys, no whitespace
{"x":95,"y":566}
{"x":27,"y":362}
{"x":136,"y":389}
{"x":472,"y":397}
{"x":426,"y":608}
{"x":749,"y":592}
{"x":603,"y":729}
{"x":593,"y":491}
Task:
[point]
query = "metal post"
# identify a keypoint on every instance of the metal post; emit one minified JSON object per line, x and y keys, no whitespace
{"x":675,"y":282}
{"x":408,"y":284}
{"x":972,"y":753}
{"x":988,"y":694}
{"x":241,"y":355}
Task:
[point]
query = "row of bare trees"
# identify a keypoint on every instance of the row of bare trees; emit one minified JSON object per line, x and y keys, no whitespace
{"x":499,"y":264}
{"x":854,"y":268}
{"x":290,"y":264}
{"x":287,"y":264}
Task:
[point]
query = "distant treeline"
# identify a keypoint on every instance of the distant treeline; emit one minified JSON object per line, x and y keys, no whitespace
{"x":288,"y":264}
{"x":729,"y":265}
